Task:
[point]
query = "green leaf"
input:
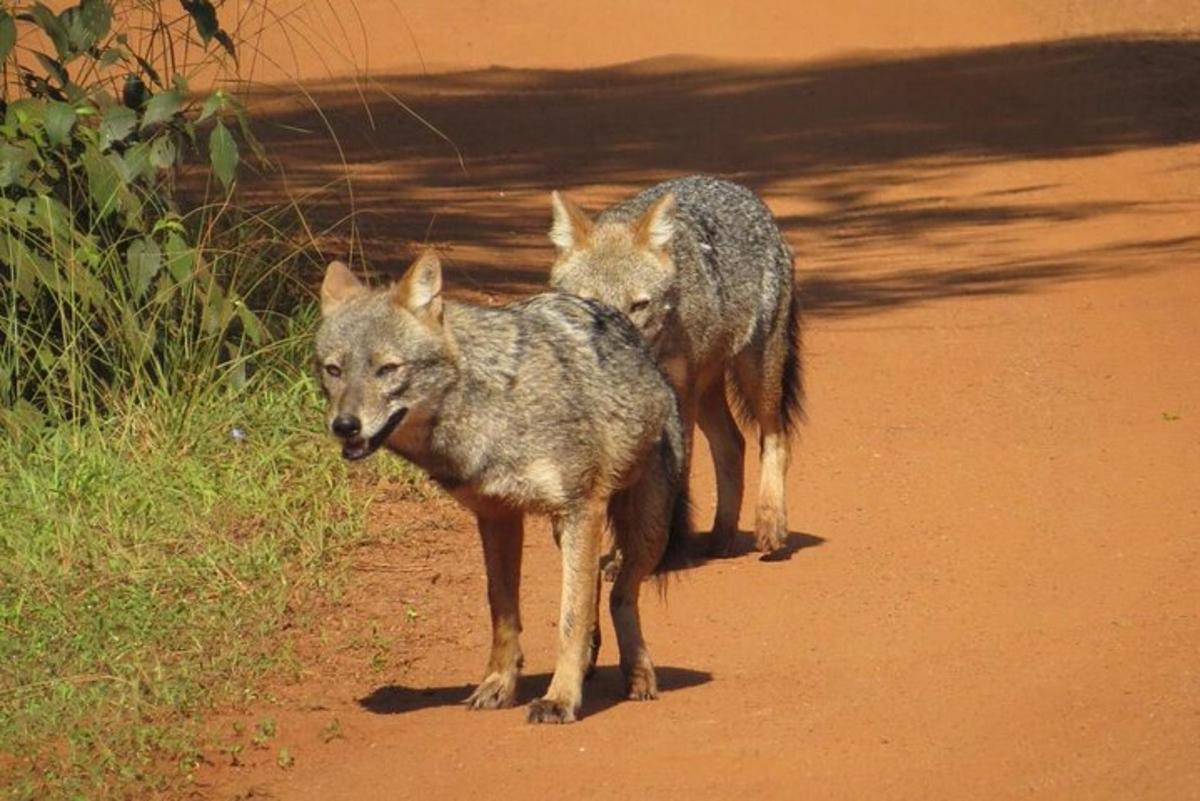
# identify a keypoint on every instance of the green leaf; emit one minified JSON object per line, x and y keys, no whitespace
{"x":104,"y":182}
{"x":244,"y":123}
{"x":134,"y":163}
{"x":53,"y":67}
{"x":216,"y":311}
{"x":97,"y":17}
{"x":223,"y":152}
{"x":204,"y":15}
{"x":22,"y":110}
{"x":77,"y":96}
{"x":60,"y":119}
{"x":181,"y":258}
{"x":166,"y":289}
{"x":118,"y":122}
{"x":13,"y":161}
{"x":137,"y":339}
{"x":109,"y":56}
{"x":55,"y":221}
{"x":162,"y":107}
{"x":82,"y":22}
{"x":46,"y":19}
{"x":211,"y":104}
{"x":251,"y":325}
{"x":143,"y":261}
{"x":163,"y":152}
{"x":25,"y":265}
{"x":8,"y":34}
{"x":83,"y":282}
{"x":28,"y":267}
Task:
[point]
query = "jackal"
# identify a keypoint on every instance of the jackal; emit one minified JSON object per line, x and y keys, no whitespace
{"x":550,"y":405}
{"x":699,"y":265}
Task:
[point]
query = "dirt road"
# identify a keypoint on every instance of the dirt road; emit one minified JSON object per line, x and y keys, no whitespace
{"x":994,"y":591}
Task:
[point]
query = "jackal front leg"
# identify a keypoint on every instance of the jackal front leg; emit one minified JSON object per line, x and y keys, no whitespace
{"x":502,"y":541}
{"x":579,"y":533}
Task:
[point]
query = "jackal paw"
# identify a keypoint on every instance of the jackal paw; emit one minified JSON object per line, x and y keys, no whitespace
{"x":547,"y":710}
{"x":496,"y":691}
{"x":640,"y":683}
{"x":610,"y":565}
{"x":770,"y":534}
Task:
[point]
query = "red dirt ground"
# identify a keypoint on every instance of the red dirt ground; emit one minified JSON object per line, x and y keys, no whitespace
{"x":996,"y":502}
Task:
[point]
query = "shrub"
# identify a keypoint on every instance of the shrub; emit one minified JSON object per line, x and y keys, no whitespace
{"x":106,"y":285}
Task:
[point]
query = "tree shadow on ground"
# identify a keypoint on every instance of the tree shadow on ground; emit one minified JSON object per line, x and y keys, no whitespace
{"x":837,"y":131}
{"x":602,"y":691}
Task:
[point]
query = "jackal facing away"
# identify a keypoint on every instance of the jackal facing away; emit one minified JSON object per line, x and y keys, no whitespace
{"x":699,"y":265}
{"x":550,"y":405}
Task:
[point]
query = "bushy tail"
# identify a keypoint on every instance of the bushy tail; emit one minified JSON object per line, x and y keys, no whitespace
{"x":791,"y":395}
{"x":677,"y":555}
{"x":793,"y":368}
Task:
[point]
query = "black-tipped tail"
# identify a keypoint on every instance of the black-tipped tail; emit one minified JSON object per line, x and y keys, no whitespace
{"x":678,"y":553}
{"x":793,"y":369}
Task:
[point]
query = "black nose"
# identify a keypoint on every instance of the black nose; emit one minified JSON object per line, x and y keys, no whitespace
{"x":346,"y":426}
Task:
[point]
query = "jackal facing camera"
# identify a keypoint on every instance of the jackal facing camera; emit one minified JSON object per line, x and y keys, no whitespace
{"x":549,"y":405}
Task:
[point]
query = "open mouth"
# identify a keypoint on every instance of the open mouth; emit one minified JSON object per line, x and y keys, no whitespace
{"x":360,"y":448}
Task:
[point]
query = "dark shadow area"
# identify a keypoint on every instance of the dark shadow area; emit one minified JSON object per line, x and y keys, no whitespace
{"x":605,"y":689}
{"x":743,"y":543}
{"x":826,"y":294}
{"x":556,"y":128}
{"x":829,"y":295}
{"x":844,"y":128}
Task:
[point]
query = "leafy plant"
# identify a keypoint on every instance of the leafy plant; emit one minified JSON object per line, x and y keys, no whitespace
{"x":105,"y":283}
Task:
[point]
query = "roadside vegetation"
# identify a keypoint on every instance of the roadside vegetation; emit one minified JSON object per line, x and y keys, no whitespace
{"x":170,"y":505}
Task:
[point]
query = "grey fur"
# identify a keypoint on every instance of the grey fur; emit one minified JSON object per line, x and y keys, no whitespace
{"x":550,"y":405}
{"x":699,"y":265}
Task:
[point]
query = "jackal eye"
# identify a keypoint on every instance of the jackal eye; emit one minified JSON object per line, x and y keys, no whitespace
{"x":386,"y":369}
{"x":333,"y":371}
{"x":641,"y":304}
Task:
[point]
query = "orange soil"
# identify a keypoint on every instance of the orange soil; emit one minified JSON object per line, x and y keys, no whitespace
{"x":995,"y":502}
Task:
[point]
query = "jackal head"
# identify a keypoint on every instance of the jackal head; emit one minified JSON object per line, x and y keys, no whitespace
{"x":384,"y":356}
{"x":626,"y":265}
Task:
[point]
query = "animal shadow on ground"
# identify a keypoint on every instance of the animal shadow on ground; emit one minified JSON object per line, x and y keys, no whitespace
{"x":602,"y":691}
{"x":743,"y":543}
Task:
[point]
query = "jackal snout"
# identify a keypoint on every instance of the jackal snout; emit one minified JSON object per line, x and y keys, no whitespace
{"x":346,"y":426}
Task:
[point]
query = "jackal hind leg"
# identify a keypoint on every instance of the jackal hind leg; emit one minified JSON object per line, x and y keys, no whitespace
{"x":579,"y":533}
{"x":641,"y":517}
{"x":728,"y":448}
{"x":691,"y":411}
{"x":759,"y":376}
{"x":502,"y":540}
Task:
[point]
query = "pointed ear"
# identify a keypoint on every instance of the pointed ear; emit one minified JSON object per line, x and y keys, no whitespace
{"x":571,"y":226}
{"x":420,"y":290}
{"x":338,"y":287}
{"x":657,"y":224}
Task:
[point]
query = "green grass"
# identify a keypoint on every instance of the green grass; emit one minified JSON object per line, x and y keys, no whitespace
{"x":152,"y":567}
{"x":154,"y":564}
